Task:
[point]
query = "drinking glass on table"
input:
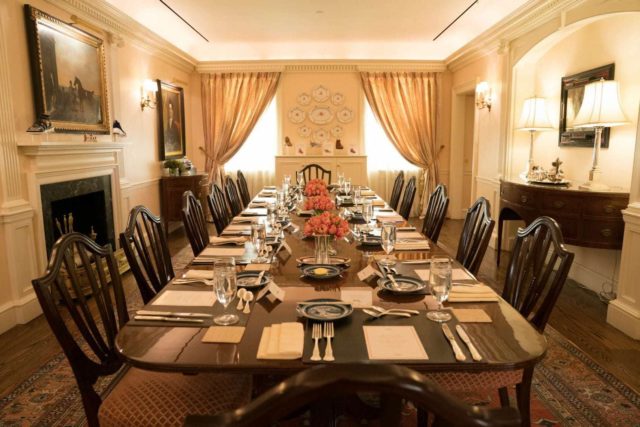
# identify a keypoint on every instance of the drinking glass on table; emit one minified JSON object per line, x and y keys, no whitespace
{"x":225,"y":287}
{"x":286,"y":183}
{"x":347,"y":186}
{"x":357,"y":194}
{"x":440,"y":286}
{"x":340,"y":180}
{"x":367,"y":212}
{"x":388,"y":240}
{"x":259,"y":241}
{"x":300,"y":179}
{"x":271,"y":215}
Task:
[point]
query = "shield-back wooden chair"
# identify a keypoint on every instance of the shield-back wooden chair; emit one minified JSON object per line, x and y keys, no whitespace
{"x":243,"y":189}
{"x":315,"y":171}
{"x":396,"y":192}
{"x":233,"y":199}
{"x":436,"y":212}
{"x":475,"y":236}
{"x":218,"y":209}
{"x":407,"y":199}
{"x":195,"y":223}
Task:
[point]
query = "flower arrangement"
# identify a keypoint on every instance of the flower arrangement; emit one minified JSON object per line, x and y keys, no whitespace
{"x":326,"y":223}
{"x":316,"y":187}
{"x":319,"y":204}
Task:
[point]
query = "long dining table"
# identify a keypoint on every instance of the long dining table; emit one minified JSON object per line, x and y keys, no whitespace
{"x":507,"y":343}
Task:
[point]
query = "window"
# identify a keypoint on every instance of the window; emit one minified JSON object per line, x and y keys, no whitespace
{"x":381,"y":153}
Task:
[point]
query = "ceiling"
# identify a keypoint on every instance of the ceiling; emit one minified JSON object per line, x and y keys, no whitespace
{"x":318,"y":29}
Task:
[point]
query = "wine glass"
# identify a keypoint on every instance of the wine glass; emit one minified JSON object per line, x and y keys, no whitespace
{"x":300,"y":179}
{"x":271,"y":215}
{"x":367,"y":213}
{"x":357,"y":194}
{"x":286,"y":183}
{"x":340,"y":180}
{"x":388,"y":238}
{"x":347,"y":186}
{"x":259,"y":241}
{"x":226,"y":287}
{"x":440,"y":285}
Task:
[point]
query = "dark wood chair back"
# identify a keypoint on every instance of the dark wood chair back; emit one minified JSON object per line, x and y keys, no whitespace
{"x":407,"y":199}
{"x":86,"y":327}
{"x":334,"y":381}
{"x":218,"y":209}
{"x":195,"y":223}
{"x":475,"y":236}
{"x":314,"y":171}
{"x":233,"y":200}
{"x":145,"y":246}
{"x":538,"y":270}
{"x":436,"y":211}
{"x":397,"y":191}
{"x":243,"y":188}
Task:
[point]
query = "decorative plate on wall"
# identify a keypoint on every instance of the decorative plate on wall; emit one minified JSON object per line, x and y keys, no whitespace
{"x":337,"y":98}
{"x":296,"y":115}
{"x":304,"y":131}
{"x":320,"y":135}
{"x":345,"y":115}
{"x":304,"y":99}
{"x":321,"y":115}
{"x":320,"y":93}
{"x":337,"y":131}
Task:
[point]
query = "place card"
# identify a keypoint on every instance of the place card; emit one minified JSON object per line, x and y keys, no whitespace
{"x":471,"y":315}
{"x":456,"y":274}
{"x":367,"y":273}
{"x":186,"y":298}
{"x":357,"y":297}
{"x":198,"y":274}
{"x":272,"y":288}
{"x":222,"y":252}
{"x":257,"y":267}
{"x":394,"y":343}
{"x":224,"y":334}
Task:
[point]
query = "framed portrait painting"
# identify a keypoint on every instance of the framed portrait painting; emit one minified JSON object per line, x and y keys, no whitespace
{"x":171,"y":121}
{"x":69,"y":77}
{"x":571,"y":94}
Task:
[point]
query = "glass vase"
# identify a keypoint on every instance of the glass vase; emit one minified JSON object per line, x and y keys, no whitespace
{"x":322,"y":248}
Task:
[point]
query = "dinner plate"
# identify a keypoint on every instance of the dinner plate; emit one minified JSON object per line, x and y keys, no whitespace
{"x":324,"y":309}
{"x":321,"y":271}
{"x":405,"y":284}
{"x":335,"y":260}
{"x":247,"y":279}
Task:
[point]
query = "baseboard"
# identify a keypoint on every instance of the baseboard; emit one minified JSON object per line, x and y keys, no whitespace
{"x":19,"y":312}
{"x":625,"y":318}
{"x":589,"y":278}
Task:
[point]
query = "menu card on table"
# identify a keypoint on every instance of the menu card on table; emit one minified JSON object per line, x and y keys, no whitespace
{"x":357,"y":297}
{"x":394,"y":343}
{"x":198,"y":274}
{"x":186,"y":298}
{"x":221,"y":252}
{"x":456,"y":274}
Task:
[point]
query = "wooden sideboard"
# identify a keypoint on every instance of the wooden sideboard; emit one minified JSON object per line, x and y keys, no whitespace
{"x":587,"y":218}
{"x":354,"y":167}
{"x":171,"y":190}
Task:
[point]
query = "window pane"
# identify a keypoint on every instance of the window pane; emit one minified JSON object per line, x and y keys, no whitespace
{"x":259,"y":150}
{"x":381,"y":154}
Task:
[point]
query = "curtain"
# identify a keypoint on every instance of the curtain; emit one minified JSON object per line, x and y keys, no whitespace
{"x":231,"y":106}
{"x":405,"y":104}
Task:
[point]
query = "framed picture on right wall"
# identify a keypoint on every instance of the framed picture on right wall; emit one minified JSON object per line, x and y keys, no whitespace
{"x":572,"y":91}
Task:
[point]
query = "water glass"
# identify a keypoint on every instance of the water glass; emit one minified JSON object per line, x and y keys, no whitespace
{"x":271,"y":215}
{"x":367,"y":212}
{"x":347,"y":186}
{"x":225,"y":287}
{"x":300,"y":179}
{"x":440,"y":286}
{"x":357,"y":194}
{"x":388,"y":240}
{"x":340,"y":179}
{"x":286,"y":183}
{"x":259,"y":241}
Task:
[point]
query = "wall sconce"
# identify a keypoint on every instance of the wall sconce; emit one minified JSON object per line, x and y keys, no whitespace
{"x":483,"y":96}
{"x":148,"y":98}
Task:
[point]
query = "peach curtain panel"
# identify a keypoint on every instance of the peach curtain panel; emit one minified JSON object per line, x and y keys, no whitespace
{"x":232,"y":103}
{"x":405,"y":104}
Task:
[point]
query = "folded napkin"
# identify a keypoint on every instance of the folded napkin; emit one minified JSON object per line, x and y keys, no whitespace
{"x":378,"y":202}
{"x":411,"y":245}
{"x":238,"y":227}
{"x":224,"y":334}
{"x":254,"y":212}
{"x":198,"y":274}
{"x":471,"y":315}
{"x":282,"y":341}
{"x":409,"y":235}
{"x":367,"y":193}
{"x":216,"y":240}
{"x":475,"y":293}
{"x":258,"y":204}
{"x":223,"y":252}
{"x":389,"y":218}
{"x":267,"y":193}
{"x":456,"y":274}
{"x":244,"y":220}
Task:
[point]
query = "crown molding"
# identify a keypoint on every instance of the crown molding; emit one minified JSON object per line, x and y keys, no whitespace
{"x":319,"y":66}
{"x":100,"y":15}
{"x":529,"y":16}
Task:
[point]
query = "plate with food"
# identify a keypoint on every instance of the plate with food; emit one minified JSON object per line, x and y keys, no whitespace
{"x":321,"y":271}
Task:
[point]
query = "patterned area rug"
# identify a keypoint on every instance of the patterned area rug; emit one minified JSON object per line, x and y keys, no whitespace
{"x":569,"y":389}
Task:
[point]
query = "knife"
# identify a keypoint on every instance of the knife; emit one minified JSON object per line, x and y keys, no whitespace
{"x":169,"y":319}
{"x":454,"y":344}
{"x":172,"y":314}
{"x":472,"y":348}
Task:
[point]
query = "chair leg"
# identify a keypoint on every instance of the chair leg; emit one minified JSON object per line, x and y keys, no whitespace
{"x":523,"y":393}
{"x":504,"y":397}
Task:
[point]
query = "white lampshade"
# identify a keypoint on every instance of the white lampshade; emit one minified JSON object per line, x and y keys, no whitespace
{"x":600,"y":105}
{"x":534,"y":115}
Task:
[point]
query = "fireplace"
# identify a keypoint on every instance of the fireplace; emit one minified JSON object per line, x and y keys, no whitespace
{"x":82,"y":205}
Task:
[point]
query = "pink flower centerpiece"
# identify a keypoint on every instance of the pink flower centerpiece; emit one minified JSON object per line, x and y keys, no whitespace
{"x":319,"y":204}
{"x":326,"y":223}
{"x":316,"y":187}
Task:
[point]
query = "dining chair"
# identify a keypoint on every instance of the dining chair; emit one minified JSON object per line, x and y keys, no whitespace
{"x":314,"y":171}
{"x":86,"y":328}
{"x":475,"y":235}
{"x":195,"y":223}
{"x":337,"y":381}
{"x":398,"y":183}
{"x":436,"y":211}
{"x":218,"y":209}
{"x":243,"y":188}
{"x":145,"y":247}
{"x":233,"y":200}
{"x":407,"y":199}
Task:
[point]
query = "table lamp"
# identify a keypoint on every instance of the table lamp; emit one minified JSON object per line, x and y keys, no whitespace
{"x":533,"y":118}
{"x":600,"y":108}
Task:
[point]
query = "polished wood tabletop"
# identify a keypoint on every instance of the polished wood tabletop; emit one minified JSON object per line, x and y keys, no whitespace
{"x":509,"y":342}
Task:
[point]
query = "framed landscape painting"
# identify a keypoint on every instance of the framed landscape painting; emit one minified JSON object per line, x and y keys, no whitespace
{"x":572,"y":91}
{"x":68,"y":70}
{"x":171,"y":121}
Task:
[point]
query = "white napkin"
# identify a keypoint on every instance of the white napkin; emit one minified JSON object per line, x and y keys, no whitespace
{"x":199,"y":274}
{"x":456,"y":274}
{"x":377,"y":202}
{"x":413,"y":245}
{"x":244,"y":220}
{"x":282,"y":341}
{"x":367,"y":193}
{"x":213,"y":252}
{"x":236,"y":228}
{"x":409,"y":235}
{"x":389,"y":217}
{"x":258,"y":204}
{"x":254,"y":212}
{"x":216,"y":240}
{"x":475,"y":293}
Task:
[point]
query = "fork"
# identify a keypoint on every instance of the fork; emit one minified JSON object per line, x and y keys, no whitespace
{"x":185,"y":281}
{"x":328,"y":334}
{"x":316,"y":334}
{"x":378,"y":314}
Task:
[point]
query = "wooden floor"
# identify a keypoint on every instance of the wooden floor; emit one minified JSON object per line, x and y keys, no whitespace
{"x":579,"y":316}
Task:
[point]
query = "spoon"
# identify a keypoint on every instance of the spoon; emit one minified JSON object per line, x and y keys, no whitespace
{"x":400,"y":310}
{"x":248,"y":297}
{"x":241,"y":294}
{"x":385,"y":313}
{"x":259,"y":278}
